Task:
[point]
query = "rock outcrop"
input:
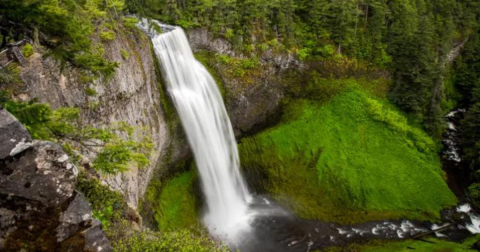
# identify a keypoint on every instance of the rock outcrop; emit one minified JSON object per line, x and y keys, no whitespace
{"x":39,"y":207}
{"x":253,"y":105}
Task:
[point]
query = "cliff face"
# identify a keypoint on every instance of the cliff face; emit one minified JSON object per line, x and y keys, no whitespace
{"x":131,"y":95}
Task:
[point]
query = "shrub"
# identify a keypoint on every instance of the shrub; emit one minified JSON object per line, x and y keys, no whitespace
{"x":27,"y":50}
{"x":474,"y":191}
{"x":250,"y":63}
{"x":130,"y":22}
{"x":125,"y":54}
{"x":229,"y":34}
{"x":263,"y":47}
{"x":95,"y":62}
{"x":224,"y":59}
{"x":108,"y":36}
{"x":90,"y":92}
{"x":303,"y":53}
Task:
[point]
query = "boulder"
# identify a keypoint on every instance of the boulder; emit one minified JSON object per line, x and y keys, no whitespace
{"x":12,"y":133}
{"x":39,"y":207}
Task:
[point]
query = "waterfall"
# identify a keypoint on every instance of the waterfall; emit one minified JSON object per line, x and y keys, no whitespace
{"x":208,"y":129}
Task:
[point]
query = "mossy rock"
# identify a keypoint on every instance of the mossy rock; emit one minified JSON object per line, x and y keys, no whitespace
{"x":351,"y":159}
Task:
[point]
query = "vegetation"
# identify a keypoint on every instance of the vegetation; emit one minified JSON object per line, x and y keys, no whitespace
{"x":65,"y":27}
{"x":355,"y":156}
{"x":466,"y":80}
{"x":177,"y":203}
{"x":107,"y":206}
{"x":411,"y":38}
{"x":342,"y":142}
{"x":179,"y":241}
{"x":61,"y":125}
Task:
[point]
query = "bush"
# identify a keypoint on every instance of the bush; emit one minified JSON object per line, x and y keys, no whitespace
{"x":42,"y":122}
{"x":90,"y":92}
{"x":474,"y":191}
{"x":108,"y":36}
{"x":304,"y":53}
{"x":27,"y":50}
{"x":250,"y":63}
{"x":125,"y":54}
{"x":130,"y":22}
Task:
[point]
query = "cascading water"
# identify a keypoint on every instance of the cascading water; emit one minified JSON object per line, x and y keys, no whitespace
{"x":209,"y":132}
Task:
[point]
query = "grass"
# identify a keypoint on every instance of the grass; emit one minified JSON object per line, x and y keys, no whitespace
{"x":347,"y":158}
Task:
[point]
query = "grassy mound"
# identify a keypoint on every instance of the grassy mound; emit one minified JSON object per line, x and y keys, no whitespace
{"x":350,"y":159}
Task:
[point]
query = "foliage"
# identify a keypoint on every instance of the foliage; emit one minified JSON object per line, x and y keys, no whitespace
{"x":125,"y":54}
{"x":182,"y":240}
{"x":467,"y":81}
{"x":117,"y":153}
{"x":108,"y":206}
{"x":90,"y":92}
{"x":108,"y":35}
{"x":64,"y":26}
{"x":27,"y":50}
{"x":354,"y":155}
{"x":411,"y":38}
{"x":40,"y":121}
{"x":474,"y":191}
{"x":130,"y":22}
{"x":10,"y":77}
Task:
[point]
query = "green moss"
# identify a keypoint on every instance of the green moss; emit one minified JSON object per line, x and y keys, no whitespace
{"x":177,"y":206}
{"x":349,"y":161}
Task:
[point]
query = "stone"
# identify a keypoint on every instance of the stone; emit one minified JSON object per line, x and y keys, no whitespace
{"x":12,"y":133}
{"x":39,"y":208}
{"x":39,"y":173}
{"x":95,"y":240}
{"x":78,"y":214}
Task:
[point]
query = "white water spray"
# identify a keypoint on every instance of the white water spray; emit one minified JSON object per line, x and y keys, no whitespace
{"x":209,"y":132}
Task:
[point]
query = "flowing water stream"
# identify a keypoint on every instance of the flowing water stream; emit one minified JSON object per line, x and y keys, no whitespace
{"x":243,"y":221}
